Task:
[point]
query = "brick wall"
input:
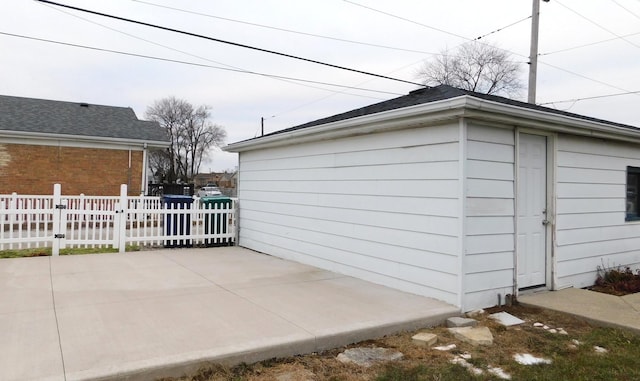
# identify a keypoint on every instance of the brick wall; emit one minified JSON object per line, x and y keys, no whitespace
{"x":33,"y":169}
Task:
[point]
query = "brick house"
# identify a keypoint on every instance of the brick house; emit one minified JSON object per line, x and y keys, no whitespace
{"x":87,"y":148}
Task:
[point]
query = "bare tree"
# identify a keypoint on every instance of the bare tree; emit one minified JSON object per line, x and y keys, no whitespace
{"x":192,"y":136}
{"x":476,"y":67}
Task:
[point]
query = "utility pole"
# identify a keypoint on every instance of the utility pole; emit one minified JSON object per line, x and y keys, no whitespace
{"x":262,"y":126}
{"x":533,"y":52}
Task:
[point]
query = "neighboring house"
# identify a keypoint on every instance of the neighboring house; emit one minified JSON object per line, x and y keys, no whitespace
{"x":447,"y":193}
{"x":226,"y":181}
{"x":203,"y":179}
{"x":87,"y":148}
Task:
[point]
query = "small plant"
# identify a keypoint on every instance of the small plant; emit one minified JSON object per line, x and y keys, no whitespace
{"x":617,"y":280}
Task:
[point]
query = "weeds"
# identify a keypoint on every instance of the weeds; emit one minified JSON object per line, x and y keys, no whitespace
{"x":617,"y":280}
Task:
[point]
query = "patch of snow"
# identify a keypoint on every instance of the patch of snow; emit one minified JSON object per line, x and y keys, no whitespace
{"x":464,"y":363}
{"x":538,"y":325}
{"x":445,"y":347}
{"x":498,"y":372}
{"x":600,"y":349}
{"x":527,"y":359}
{"x":553,"y":330}
{"x":576,"y":342}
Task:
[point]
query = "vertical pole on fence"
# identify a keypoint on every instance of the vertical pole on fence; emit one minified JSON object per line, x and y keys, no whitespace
{"x":56,"y":213}
{"x":122,"y":218}
{"x":13,"y":215}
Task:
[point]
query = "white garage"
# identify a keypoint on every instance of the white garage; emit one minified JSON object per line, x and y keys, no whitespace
{"x":460,"y":196}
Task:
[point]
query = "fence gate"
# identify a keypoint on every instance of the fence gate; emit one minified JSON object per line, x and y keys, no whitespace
{"x":88,"y":221}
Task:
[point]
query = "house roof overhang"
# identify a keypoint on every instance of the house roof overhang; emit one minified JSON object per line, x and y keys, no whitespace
{"x":40,"y":138}
{"x":431,"y":113}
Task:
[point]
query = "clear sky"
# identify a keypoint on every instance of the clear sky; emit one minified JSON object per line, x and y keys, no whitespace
{"x":588,"y":49}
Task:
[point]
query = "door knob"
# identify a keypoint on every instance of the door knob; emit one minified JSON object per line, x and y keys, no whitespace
{"x":545,"y":222}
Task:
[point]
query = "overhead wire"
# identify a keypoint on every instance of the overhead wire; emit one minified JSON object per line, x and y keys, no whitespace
{"x":587,"y":45}
{"x":284,"y":29}
{"x":501,"y":29}
{"x":197,"y":64}
{"x":626,"y":9}
{"x":240,"y":45}
{"x":596,"y":24}
{"x":296,"y":81}
{"x":588,"y":98}
{"x":469,"y":39}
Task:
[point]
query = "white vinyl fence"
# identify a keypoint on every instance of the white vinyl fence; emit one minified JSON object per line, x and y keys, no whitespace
{"x":59,"y":221}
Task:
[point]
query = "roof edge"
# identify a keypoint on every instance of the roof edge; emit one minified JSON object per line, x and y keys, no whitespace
{"x":401,"y":118}
{"x":466,"y":105}
{"x":107,"y":141}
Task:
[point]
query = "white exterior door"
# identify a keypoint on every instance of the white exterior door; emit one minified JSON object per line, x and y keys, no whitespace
{"x":532,"y":208}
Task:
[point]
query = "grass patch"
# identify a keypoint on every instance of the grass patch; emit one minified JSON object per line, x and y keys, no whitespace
{"x":569,"y":362}
{"x":46,"y":251}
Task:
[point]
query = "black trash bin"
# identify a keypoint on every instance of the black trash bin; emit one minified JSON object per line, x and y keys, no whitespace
{"x":219,"y":225}
{"x":178,"y":221}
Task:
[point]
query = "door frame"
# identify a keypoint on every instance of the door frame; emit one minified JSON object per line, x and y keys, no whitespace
{"x":550,"y":264}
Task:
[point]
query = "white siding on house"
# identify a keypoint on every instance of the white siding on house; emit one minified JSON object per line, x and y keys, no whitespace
{"x":590,"y":220}
{"x":383,"y":207}
{"x":489,"y":210}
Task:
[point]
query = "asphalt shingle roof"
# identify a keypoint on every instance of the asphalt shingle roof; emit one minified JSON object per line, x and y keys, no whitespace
{"x":433,"y":94}
{"x":80,"y":119}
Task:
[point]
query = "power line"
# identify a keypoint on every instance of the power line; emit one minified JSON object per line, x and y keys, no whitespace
{"x":197,"y":64}
{"x":501,"y":29}
{"x":199,"y":57}
{"x":626,"y":9}
{"x":228,"y":42}
{"x":596,"y":24}
{"x":469,"y":39}
{"x":285,"y":30}
{"x":587,"y":98}
{"x":589,"y":44}
{"x":407,"y":20}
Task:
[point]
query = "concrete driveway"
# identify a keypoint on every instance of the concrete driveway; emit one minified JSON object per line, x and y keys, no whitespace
{"x":138,"y":316}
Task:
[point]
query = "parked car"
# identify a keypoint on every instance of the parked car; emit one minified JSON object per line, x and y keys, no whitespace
{"x":209,"y":191}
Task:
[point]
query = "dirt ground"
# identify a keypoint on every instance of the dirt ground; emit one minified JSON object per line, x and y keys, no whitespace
{"x":525,"y":338}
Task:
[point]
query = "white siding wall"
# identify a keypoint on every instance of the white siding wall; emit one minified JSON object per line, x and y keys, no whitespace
{"x":489,"y":225}
{"x":383,"y":207}
{"x":591,"y":198}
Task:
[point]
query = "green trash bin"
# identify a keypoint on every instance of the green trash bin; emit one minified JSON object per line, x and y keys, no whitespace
{"x":219,"y":224}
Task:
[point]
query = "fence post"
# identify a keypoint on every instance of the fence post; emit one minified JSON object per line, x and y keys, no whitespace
{"x":57,"y":212}
{"x":13,"y":215}
{"x":122,"y":218}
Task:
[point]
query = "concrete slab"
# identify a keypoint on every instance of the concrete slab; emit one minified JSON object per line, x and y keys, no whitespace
{"x":633,"y":300}
{"x":506,"y":319}
{"x":107,"y":286}
{"x":164,"y":331}
{"x":25,"y":293}
{"x":458,"y":321}
{"x":347,"y":308}
{"x":473,"y":335}
{"x":24,"y":266}
{"x":29,"y":346}
{"x":596,"y":307}
{"x":140,"y":316}
{"x":232,"y":271}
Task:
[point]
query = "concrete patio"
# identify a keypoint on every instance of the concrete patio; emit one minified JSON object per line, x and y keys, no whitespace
{"x":139,"y":316}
